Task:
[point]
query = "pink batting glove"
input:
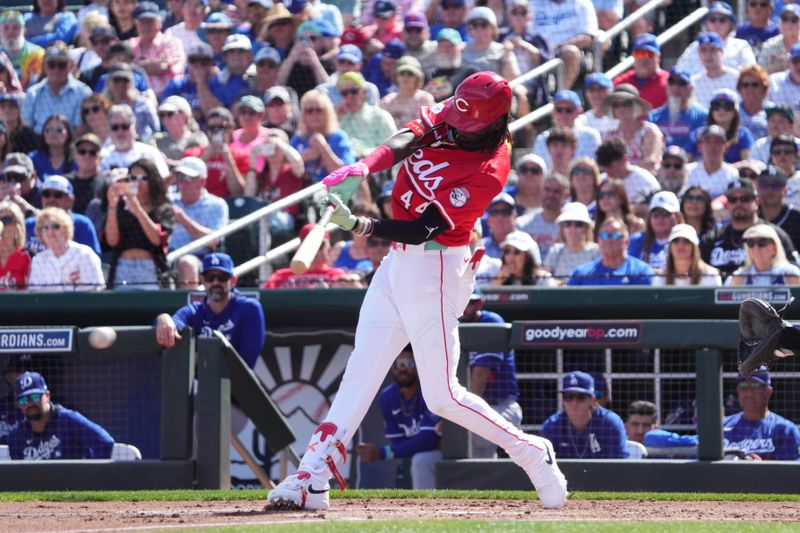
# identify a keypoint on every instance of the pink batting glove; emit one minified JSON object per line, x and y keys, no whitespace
{"x":340,"y":174}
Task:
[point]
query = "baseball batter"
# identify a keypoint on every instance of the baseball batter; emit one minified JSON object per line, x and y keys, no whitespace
{"x":455,"y":159}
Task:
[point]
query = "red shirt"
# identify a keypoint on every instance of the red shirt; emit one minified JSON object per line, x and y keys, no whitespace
{"x":653,"y":89}
{"x":217,"y":183}
{"x":459,"y":183}
{"x":313,"y":278}
{"x":285,"y":183}
{"x":14,"y":274}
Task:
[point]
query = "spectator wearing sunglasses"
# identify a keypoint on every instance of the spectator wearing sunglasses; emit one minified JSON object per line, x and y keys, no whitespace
{"x":681,"y":115}
{"x":19,"y":183}
{"x":126,"y":149}
{"x":647,"y":75}
{"x":365,"y":124}
{"x":773,"y":205}
{"x":567,"y":107}
{"x":672,"y":172}
{"x":57,"y":192}
{"x":55,"y":155}
{"x":759,"y":26}
{"x":614,"y":266}
{"x":21,"y":137}
{"x":711,"y":172}
{"x":724,"y":112}
{"x":417,"y":40}
{"x":527,"y":193}
{"x":752,"y":87}
{"x":784,"y":86}
{"x":651,"y":246}
{"x":715,"y":74}
{"x":775,"y":51}
{"x":584,"y":429}
{"x":721,"y":21}
{"x":518,"y":264}
{"x":51,"y":431}
{"x":15,"y":263}
{"x":765,"y":261}
{"x":643,"y":139}
{"x":86,"y":180}
{"x":783,"y":159}
{"x":780,"y":123}
{"x":26,"y":57}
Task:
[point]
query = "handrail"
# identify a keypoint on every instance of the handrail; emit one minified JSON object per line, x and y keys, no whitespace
{"x":602,"y":37}
{"x":554,"y":64}
{"x":668,"y":35}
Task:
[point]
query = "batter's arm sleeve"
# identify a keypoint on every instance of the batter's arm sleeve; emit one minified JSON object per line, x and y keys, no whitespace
{"x":253,"y":332}
{"x":428,"y":226}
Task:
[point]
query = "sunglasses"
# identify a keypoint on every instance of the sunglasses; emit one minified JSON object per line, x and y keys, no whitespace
{"x":511,"y":251}
{"x":573,"y":224}
{"x":121,"y":127}
{"x":530,"y":170}
{"x":717,"y":20}
{"x":138,"y":177}
{"x":87,"y":151}
{"x":676,"y":166}
{"x":582,"y":170}
{"x":758,"y":243}
{"x":13,"y":176}
{"x":519,"y":12}
{"x":7,"y":220}
{"x":607,"y":194}
{"x":694,"y":198}
{"x":500,"y":212}
{"x":626,"y":103}
{"x":53,"y":194}
{"x":792,"y":20}
{"x":740,"y":199}
{"x":771,"y":185}
{"x":48,"y":227}
{"x":611,"y":236}
{"x":678,"y":81}
{"x":479,"y":24}
{"x":660,"y":213}
{"x":349,"y":92}
{"x":681,"y":240}
{"x":30,"y":398}
{"x":266,"y":63}
{"x":54,"y":129}
{"x":374,"y":243}
{"x":312,"y":110}
{"x":100,"y":41}
{"x":413,"y":30}
{"x":750,"y":85}
{"x":400,"y":365}
{"x":783,"y":151}
{"x":218,"y":276}
{"x":247,"y":111}
{"x":203,"y":61}
{"x":89,"y":110}
{"x":574,"y":397}
{"x":166,"y":114}
{"x":727,"y":106}
{"x":57,"y":65}
{"x":565,"y":110}
{"x":643,"y":54}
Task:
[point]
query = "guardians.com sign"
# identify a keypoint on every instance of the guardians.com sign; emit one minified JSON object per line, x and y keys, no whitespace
{"x":580,"y":333}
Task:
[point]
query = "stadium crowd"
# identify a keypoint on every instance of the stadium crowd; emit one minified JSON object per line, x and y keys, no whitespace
{"x":128,"y":131}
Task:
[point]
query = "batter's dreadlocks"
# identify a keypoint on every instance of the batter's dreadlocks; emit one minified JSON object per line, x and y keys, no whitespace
{"x":495,"y":135}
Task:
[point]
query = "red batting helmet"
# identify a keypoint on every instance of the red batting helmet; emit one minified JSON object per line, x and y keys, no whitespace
{"x":478,"y":101}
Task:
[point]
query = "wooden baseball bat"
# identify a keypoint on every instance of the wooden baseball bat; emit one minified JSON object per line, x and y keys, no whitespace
{"x":308,"y":248}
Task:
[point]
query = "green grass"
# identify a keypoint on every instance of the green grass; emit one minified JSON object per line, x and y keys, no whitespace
{"x":223,"y":495}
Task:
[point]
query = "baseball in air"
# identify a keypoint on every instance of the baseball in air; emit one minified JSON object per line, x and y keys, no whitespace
{"x":101,"y":338}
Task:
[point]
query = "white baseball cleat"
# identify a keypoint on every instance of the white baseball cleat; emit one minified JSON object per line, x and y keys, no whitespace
{"x":550,"y":483}
{"x":300,"y":491}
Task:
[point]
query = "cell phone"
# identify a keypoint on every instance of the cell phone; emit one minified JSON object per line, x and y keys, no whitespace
{"x":133,"y":187}
{"x":268,"y":150}
{"x":218,"y":137}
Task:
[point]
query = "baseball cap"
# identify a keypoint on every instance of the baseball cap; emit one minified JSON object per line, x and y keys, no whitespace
{"x":263,"y":3}
{"x":326,"y":28}
{"x":394,"y":48}
{"x":384,"y":9}
{"x":309,"y":27}
{"x":742,"y":184}
{"x":218,"y":261}
{"x":58,"y":183}
{"x":16,"y":98}
{"x":684,"y":231}
{"x":454,"y":3}
{"x":722,"y":8}
{"x":146,"y":10}
{"x":759,"y":376}
{"x":785,"y":139}
{"x":646,"y":41}
{"x":531,"y":158}
{"x":415,"y":20}
{"x":18,"y":162}
{"x":574,"y":212}
{"x":120,"y":70}
{"x":217,"y":21}
{"x":781,"y":109}
{"x":482,"y":13}
{"x":772,"y":173}
{"x":792,"y":8}
{"x":712,"y":130}
{"x":754,"y":165}
{"x":277,"y":12}
{"x":598,"y":78}
{"x":56,"y":52}
{"x":176,"y":103}
{"x":761,"y":231}
{"x":356,"y":36}
{"x":449,"y":34}
{"x":253,"y":102}
{"x":566,"y":95}
{"x":675,"y":151}
{"x":193,"y":167}
{"x":121,"y":48}
{"x":306,"y":229}
{"x":680,"y":73}
{"x":709,"y":37}
{"x":504,"y":198}
{"x":90,"y":138}
{"x":579,"y":382}
{"x":351,"y":53}
{"x":237,"y":41}
{"x":520,"y":3}
{"x":12,"y":15}
{"x":30,"y":383}
{"x":103,"y":31}
{"x":520,"y":240}
{"x":200,"y":49}
{"x":665,"y":200}
{"x":410,"y":64}
{"x":279,"y":92}
{"x":726,"y":95}
{"x":267,"y":52}
{"x":355,"y":78}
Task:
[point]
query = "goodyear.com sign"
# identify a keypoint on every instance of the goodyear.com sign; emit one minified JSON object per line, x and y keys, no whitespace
{"x":36,"y":340}
{"x":572,"y":333}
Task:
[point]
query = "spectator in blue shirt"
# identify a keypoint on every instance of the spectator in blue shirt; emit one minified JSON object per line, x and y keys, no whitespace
{"x":380,"y":68}
{"x":615,"y":266}
{"x":759,"y":25}
{"x":759,"y":433}
{"x":51,"y":431}
{"x":49,"y":22}
{"x":584,"y":430}
{"x":229,"y":84}
{"x":681,"y":115}
{"x":409,"y":426}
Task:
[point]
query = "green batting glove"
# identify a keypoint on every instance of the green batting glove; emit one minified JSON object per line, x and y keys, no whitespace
{"x":342,"y":216}
{"x":347,"y":188}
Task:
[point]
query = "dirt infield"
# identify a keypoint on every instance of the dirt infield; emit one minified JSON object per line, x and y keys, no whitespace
{"x":119,"y":516}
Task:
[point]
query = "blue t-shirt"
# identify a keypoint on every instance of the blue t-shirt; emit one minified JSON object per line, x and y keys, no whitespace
{"x":339,"y":143}
{"x":632,"y":272}
{"x":68,"y":435}
{"x":734,"y":152}
{"x":603,"y":438}
{"x":503,"y":381}
{"x":227,"y":91}
{"x":44,"y":168}
{"x":774,"y":437}
{"x":141,"y":83}
{"x":678,"y":133}
{"x":408,"y":425}
{"x":242,"y":323}
{"x":658,"y":251}
{"x":755,"y":37}
{"x":373,"y":73}
{"x":185,"y":88}
{"x":347,"y":262}
{"x":84,"y":234}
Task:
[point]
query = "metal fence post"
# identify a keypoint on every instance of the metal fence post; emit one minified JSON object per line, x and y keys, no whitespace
{"x":708,"y":365}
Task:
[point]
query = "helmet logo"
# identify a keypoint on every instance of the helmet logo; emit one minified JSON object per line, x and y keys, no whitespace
{"x":462,"y":105}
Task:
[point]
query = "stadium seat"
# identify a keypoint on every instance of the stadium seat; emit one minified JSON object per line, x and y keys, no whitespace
{"x":125,"y":452}
{"x":5,"y":455}
{"x":636,"y":450}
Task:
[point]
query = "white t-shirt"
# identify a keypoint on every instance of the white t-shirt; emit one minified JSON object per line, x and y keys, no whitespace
{"x":716,"y":184}
{"x":736,"y":54}
{"x":543,"y":232}
{"x":561,"y":21}
{"x":603,"y":125}
{"x":638,"y":184}
{"x":588,"y":141}
{"x":782,"y":90}
{"x":705,"y":87}
{"x":709,"y":277}
{"x":78,"y":269}
{"x":138,"y":151}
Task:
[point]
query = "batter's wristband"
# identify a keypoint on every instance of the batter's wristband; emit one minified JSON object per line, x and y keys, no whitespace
{"x":364,"y":226}
{"x":387,"y":453}
{"x":381,"y":158}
